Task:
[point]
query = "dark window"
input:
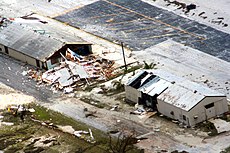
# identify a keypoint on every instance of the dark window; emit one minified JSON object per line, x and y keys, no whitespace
{"x":172,"y":113}
{"x":6,"y":50}
{"x":209,"y":106}
{"x":54,"y":60}
{"x":0,"y":49}
{"x":43,"y":65}
{"x":184,"y":117}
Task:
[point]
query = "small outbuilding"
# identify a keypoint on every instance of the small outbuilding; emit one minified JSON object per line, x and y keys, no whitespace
{"x":175,"y":97}
{"x":37,"y":47}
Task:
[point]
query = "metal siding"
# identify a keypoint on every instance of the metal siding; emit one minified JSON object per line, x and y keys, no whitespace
{"x":31,"y":61}
{"x":132,"y":94}
{"x":180,"y":97}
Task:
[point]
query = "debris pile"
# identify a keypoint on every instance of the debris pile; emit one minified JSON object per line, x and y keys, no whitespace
{"x":87,"y":136}
{"x":74,"y":71}
{"x":20,"y":110}
{"x":4,"y":22}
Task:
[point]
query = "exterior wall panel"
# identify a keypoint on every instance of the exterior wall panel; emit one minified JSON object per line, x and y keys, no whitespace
{"x":195,"y":115}
{"x":132,"y":94}
{"x":16,"y":55}
{"x":22,"y":57}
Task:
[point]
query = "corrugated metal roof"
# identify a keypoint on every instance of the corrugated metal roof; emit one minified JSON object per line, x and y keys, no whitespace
{"x":189,"y":85}
{"x":53,"y":28}
{"x":28,"y":42}
{"x":155,"y":88}
{"x":181,"y":97}
{"x":135,"y":77}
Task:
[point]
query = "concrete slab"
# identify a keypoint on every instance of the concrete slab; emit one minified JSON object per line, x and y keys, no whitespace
{"x":221,"y":125}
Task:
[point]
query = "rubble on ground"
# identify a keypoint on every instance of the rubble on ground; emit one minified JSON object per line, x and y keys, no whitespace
{"x":74,"y":71}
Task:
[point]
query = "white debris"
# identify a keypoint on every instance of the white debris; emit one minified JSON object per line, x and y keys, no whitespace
{"x":68,"y":90}
{"x":67,"y":129}
{"x":31,"y":110}
{"x":7,"y":123}
{"x":97,"y":90}
{"x":79,"y":133}
{"x":91,"y":134}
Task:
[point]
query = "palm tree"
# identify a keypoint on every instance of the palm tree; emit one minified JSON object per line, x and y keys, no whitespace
{"x":149,"y":66}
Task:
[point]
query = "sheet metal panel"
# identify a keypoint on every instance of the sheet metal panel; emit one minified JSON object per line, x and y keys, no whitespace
{"x":181,"y":97}
{"x":77,"y":69}
{"x":64,"y":79}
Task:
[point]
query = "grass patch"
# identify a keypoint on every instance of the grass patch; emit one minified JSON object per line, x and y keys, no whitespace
{"x":227,"y":150}
{"x":94,"y":102}
{"x":18,"y":138}
{"x":207,"y":127}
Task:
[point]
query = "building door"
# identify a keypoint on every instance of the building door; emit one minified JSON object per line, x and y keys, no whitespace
{"x":210,"y":110}
{"x":37,"y":63}
{"x":149,"y":101}
{"x":6,"y":50}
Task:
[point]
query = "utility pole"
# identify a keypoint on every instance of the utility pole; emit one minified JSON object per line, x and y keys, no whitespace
{"x":122,"y":46}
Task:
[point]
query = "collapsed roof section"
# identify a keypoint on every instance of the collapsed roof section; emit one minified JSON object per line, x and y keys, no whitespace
{"x":36,"y":36}
{"x":171,"y":89}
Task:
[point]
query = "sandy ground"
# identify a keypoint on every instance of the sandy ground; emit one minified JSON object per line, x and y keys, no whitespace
{"x":167,"y":138}
{"x":9,"y":96}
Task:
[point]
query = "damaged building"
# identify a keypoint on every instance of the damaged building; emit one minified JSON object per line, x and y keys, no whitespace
{"x":175,"y":97}
{"x":38,"y":47}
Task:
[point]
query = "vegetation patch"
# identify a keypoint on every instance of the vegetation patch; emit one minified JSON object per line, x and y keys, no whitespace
{"x":227,"y":150}
{"x":94,"y":102}
{"x":30,"y":136}
{"x":207,"y":127}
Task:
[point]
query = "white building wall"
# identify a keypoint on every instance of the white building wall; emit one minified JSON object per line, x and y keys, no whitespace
{"x":19,"y":56}
{"x":169,"y":110}
{"x":132,"y":94}
{"x":220,"y":107}
{"x":196,"y":114}
{"x":172,"y":111}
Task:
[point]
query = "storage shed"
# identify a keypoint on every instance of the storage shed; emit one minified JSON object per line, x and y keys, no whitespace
{"x":35,"y":48}
{"x":175,"y":97}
